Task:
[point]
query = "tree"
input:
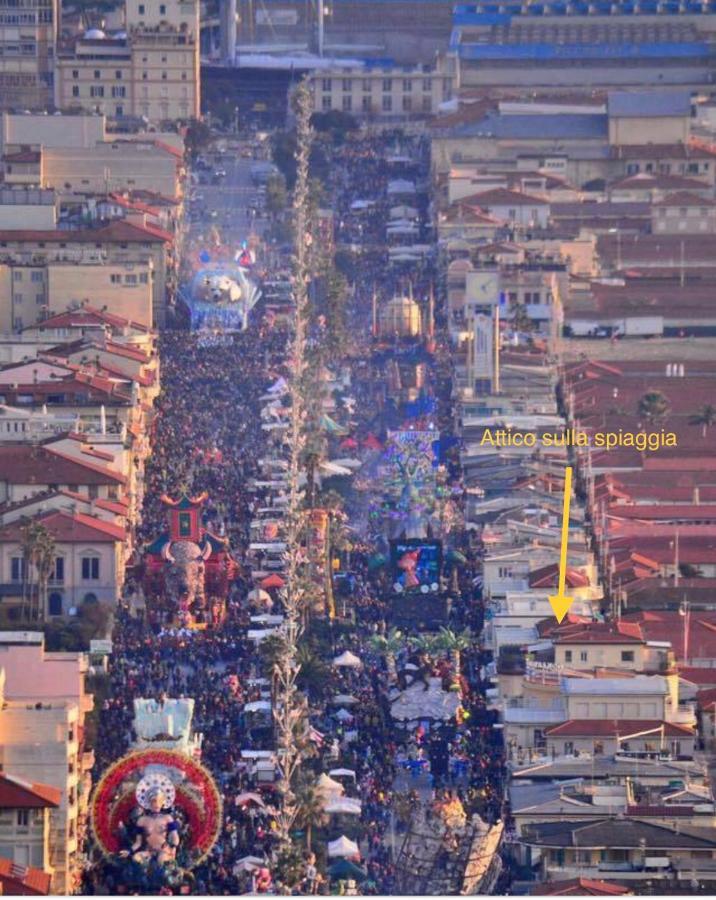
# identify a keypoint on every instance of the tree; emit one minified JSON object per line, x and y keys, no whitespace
{"x":705,"y":417}
{"x":310,"y":813}
{"x":334,"y":120}
{"x":196,"y":137}
{"x":276,"y":194}
{"x":653,"y":406}
{"x":388,"y":646}
{"x":313,"y":674}
{"x":454,"y":642}
{"x":38,"y":553}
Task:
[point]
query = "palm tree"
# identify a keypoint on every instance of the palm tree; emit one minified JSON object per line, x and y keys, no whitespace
{"x":313,"y":673}
{"x":388,"y":645}
{"x":705,"y":417}
{"x":455,"y":642}
{"x":310,"y":813}
{"x":44,"y":562}
{"x":653,"y":406}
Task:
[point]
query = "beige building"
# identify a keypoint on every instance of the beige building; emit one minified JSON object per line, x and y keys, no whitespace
{"x":683,"y":213}
{"x":25,"y":826}
{"x":122,"y":267}
{"x":27,"y":208}
{"x":151,"y":69}
{"x":28,"y":35}
{"x":383,"y":92}
{"x":41,"y":130}
{"x":40,"y":742}
{"x":89,"y":562}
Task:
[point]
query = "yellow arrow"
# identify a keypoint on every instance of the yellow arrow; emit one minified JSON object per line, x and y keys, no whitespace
{"x":559,"y":603}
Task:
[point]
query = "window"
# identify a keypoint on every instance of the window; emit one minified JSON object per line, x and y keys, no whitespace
{"x":54,"y":604}
{"x":407,"y":85}
{"x":97,"y":73}
{"x":164,"y":76}
{"x":627,"y":656}
{"x":23,"y":818}
{"x":387,"y":103}
{"x":407,"y":104}
{"x":17,"y":275}
{"x":75,"y":73}
{"x":326,"y":84}
{"x":347,"y":104}
{"x":143,"y":278}
{"x":97,"y":90}
{"x":582,"y":655}
{"x":427,"y":104}
{"x":90,"y":568}
{"x":141,"y":11}
{"x":17,"y":568}
{"x":387,"y":84}
{"x":130,"y":279}
{"x":427,"y":84}
{"x":119,"y":91}
{"x":118,"y":74}
{"x":325,"y":102}
{"x":115,"y":278}
{"x":367,"y":84}
{"x":39,"y":299}
{"x":346,"y":84}
{"x":568,"y":656}
{"x":75,"y":90}
{"x":365,"y":104}
{"x":162,"y":9}
{"x":58,"y":570}
{"x":144,"y":76}
{"x":36,"y":276}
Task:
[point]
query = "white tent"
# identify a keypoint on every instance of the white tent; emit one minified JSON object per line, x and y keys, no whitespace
{"x":257,"y":706}
{"x":348,"y":462}
{"x":343,"y":715}
{"x":258,"y":595}
{"x":279,"y":387}
{"x":259,"y":634}
{"x":344,"y":700}
{"x":266,"y":619}
{"x":333,"y":468}
{"x":343,"y":846}
{"x":343,"y":773}
{"x":326,"y":785}
{"x":248,"y":864}
{"x":249,"y":797}
{"x":357,"y":205}
{"x":347,"y":660}
{"x":344,"y":806}
{"x":402,"y":211}
{"x":401,"y":186}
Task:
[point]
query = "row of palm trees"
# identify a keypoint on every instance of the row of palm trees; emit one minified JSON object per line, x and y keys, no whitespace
{"x":653,"y":406}
{"x":446,"y":640}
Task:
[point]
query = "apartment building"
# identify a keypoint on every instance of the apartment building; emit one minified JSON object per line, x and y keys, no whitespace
{"x":150,"y":69}
{"x":28,"y":37}
{"x":25,"y":808}
{"x":381,"y":91}
{"x":124,"y":267}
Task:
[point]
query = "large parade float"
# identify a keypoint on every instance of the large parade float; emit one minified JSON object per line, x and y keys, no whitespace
{"x":187,"y":570}
{"x":156,"y":813}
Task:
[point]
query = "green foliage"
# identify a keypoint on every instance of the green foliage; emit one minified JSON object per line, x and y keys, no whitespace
{"x":91,"y":622}
{"x":653,"y":406}
{"x":196,"y":138}
{"x":276,"y":195}
{"x":335,"y":122}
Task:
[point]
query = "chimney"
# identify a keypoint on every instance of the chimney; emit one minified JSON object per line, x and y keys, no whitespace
{"x":696,"y":497}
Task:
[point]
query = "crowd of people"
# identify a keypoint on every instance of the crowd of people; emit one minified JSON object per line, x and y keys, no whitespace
{"x":208,"y":436}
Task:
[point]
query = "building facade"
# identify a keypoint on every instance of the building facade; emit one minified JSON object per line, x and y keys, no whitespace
{"x":151,"y":70}
{"x":28,"y":37}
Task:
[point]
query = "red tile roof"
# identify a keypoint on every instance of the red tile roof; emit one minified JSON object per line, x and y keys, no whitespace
{"x":83,"y":317}
{"x":68,"y":527}
{"x":116,"y":231}
{"x":670,"y":625}
{"x":579,"y":887}
{"x":616,"y":728}
{"x":23,"y":880}
{"x":25,"y":464}
{"x":699,"y":675}
{"x":16,"y":793}
{"x":503,"y":197}
{"x":548,"y":576}
{"x":602,"y":633}
{"x":685,"y":198}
